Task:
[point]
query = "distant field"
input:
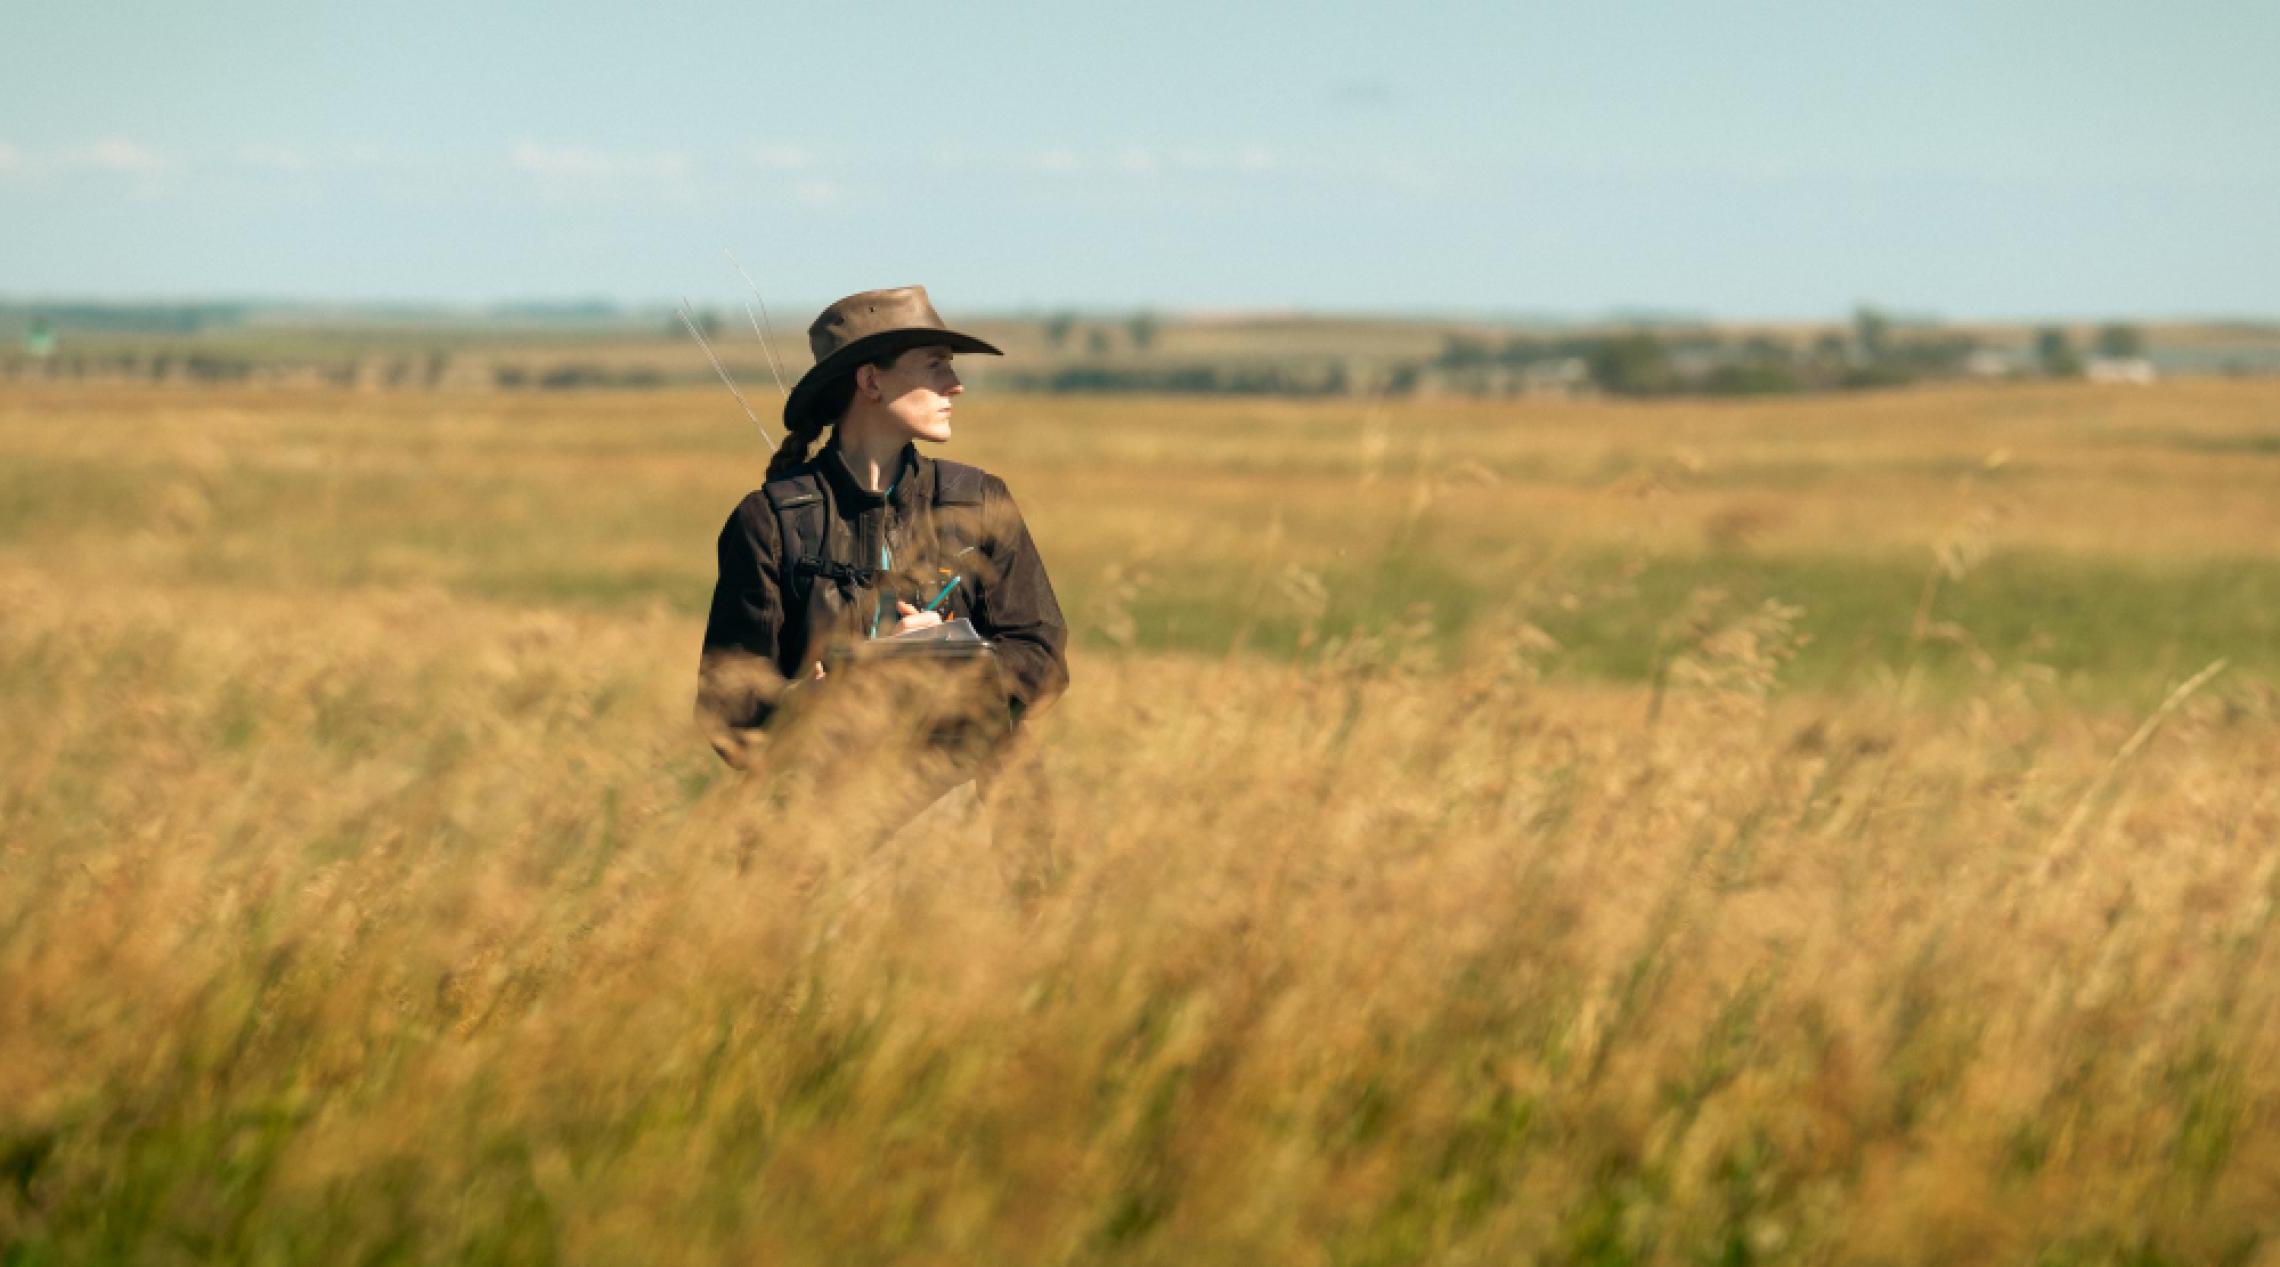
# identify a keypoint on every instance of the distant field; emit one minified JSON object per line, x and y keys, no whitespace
{"x":1820,"y":830}
{"x":2101,"y":540}
{"x":621,"y":349}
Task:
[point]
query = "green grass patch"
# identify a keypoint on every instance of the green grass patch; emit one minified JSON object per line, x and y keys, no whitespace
{"x":2101,"y":624}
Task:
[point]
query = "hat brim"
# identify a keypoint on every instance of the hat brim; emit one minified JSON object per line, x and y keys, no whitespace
{"x":806,"y":393}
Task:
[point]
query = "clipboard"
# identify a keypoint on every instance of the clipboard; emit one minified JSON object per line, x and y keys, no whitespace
{"x":945,"y":678}
{"x":952,"y":640}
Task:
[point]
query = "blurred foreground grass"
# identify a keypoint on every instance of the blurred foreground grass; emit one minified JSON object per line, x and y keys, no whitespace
{"x":365,"y":896}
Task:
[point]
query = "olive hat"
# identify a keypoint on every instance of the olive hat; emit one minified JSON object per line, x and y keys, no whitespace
{"x":862,"y":328}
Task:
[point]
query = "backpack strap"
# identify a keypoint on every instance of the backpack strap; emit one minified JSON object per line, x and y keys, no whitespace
{"x":801,"y":515}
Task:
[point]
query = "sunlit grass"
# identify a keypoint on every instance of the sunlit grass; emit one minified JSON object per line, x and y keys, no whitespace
{"x":1433,"y":890}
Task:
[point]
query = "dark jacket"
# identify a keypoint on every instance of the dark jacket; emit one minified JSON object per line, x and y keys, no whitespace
{"x":776,"y":612}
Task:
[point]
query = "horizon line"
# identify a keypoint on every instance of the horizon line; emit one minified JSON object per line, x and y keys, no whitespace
{"x":603,"y":307}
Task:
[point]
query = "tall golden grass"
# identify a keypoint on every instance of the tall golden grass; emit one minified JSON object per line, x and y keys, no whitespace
{"x":351,"y":912}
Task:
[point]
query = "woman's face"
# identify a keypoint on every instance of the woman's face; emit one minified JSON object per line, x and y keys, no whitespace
{"x":916,"y":389}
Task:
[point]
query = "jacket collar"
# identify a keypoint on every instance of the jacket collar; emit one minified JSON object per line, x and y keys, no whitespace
{"x":850,"y":491}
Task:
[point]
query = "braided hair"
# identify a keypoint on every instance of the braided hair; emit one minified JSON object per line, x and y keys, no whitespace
{"x":830,"y":406}
{"x":799,"y":438}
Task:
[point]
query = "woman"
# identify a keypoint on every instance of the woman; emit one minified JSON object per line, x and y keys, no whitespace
{"x":868,"y":539}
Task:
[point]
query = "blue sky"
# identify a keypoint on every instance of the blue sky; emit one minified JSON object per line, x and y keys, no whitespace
{"x":1768,"y":160}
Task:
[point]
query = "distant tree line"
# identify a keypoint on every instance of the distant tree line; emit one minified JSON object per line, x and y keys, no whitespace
{"x":203,"y":366}
{"x":1124,"y":355}
{"x":157,"y":367}
{"x":582,"y":376}
{"x":126,"y":318}
{"x":1137,"y":331}
{"x":1873,"y":350}
{"x":1328,"y":379}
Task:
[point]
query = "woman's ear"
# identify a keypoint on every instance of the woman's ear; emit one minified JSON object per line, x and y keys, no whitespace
{"x":867,"y":381}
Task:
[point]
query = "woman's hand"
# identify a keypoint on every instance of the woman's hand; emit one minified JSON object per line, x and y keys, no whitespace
{"x":913,"y":619}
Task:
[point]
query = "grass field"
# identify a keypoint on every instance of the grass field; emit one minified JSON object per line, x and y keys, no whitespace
{"x":1804,"y":831}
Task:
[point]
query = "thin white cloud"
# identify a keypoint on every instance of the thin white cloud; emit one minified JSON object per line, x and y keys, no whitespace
{"x":117,"y":154}
{"x":584,"y":164}
{"x":815,"y":191}
{"x":275,"y":158}
{"x":561,"y":160}
{"x":1210,"y":162}
{"x":1142,"y":162}
{"x":11,"y":158}
{"x":781,"y":158}
{"x":377,"y":156}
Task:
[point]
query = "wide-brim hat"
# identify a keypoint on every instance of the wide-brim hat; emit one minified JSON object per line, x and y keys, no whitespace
{"x":862,"y":328}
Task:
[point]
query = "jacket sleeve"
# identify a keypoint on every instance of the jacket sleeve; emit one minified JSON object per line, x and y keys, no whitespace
{"x":1016,"y":607}
{"x":739,"y":681}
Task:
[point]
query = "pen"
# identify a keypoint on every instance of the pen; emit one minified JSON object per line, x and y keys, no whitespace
{"x":945,"y":593}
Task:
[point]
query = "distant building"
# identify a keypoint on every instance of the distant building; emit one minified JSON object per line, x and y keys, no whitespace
{"x":1561,"y":376}
{"x":1989,"y":363}
{"x":2135,"y":370}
